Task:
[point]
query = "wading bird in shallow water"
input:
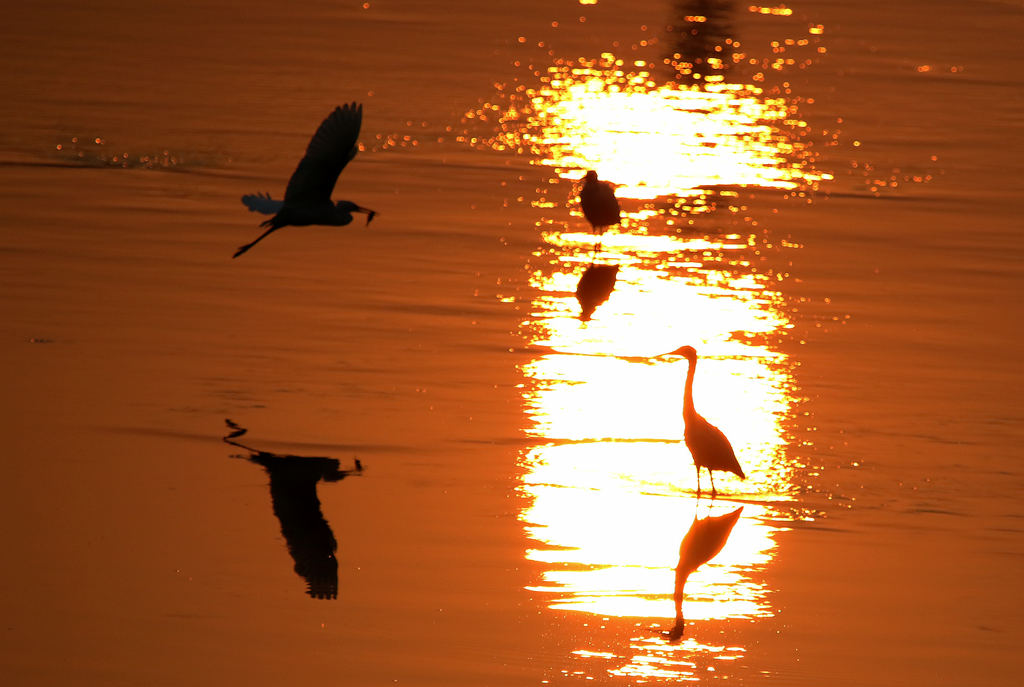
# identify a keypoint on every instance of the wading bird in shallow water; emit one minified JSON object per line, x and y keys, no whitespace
{"x":708,"y":446}
{"x":307,"y":198}
{"x":703,"y":541}
{"x":598,"y":202}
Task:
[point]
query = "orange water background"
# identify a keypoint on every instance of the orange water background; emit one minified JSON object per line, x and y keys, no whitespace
{"x":828,"y":215}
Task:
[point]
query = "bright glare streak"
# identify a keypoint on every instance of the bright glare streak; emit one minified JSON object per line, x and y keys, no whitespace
{"x":609,"y":481}
{"x":608,"y":470}
{"x":653,"y":140}
{"x":669,"y":141}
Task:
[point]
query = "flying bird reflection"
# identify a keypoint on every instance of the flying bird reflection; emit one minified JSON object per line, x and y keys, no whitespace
{"x":707,"y":444}
{"x":703,"y":541}
{"x":309,"y":538}
{"x":307,"y":198}
{"x":598,"y":202}
{"x":594,"y":288}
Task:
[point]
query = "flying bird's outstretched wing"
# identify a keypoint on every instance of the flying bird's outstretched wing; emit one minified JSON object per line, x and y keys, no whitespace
{"x":332,"y":146}
{"x":262,"y":203}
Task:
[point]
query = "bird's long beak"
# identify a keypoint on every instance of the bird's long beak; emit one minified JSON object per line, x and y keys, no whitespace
{"x":370,"y":214}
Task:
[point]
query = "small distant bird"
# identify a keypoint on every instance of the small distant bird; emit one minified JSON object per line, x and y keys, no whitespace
{"x":708,"y":446}
{"x":703,"y":541}
{"x":594,"y":288}
{"x":597,"y":199}
{"x":307,"y":199}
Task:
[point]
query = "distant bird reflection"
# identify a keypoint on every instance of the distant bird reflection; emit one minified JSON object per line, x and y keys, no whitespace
{"x":697,"y":37}
{"x":309,"y":538}
{"x":708,"y":445}
{"x":598,"y":202}
{"x":703,"y":541}
{"x":594,"y":288}
{"x":307,"y":199}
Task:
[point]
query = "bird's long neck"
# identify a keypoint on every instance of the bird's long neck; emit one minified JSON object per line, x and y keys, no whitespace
{"x":678,"y":592}
{"x":688,"y":389}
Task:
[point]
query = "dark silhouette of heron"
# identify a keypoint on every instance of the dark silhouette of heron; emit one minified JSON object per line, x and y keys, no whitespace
{"x":309,"y":538}
{"x":598,"y":202}
{"x":307,"y":198}
{"x":594,"y":288}
{"x":708,"y":446}
{"x":703,"y":541}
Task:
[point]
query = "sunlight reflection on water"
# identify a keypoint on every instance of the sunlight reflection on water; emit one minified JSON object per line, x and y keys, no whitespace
{"x":607,"y":471}
{"x":611,"y":486}
{"x":654,"y":141}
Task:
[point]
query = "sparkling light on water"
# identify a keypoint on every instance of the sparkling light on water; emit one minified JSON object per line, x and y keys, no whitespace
{"x":611,"y":486}
{"x":652,"y":139}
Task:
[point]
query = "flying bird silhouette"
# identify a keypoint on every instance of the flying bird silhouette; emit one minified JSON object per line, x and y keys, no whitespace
{"x":703,"y":541}
{"x":597,"y":199}
{"x":708,"y":445}
{"x":307,"y":198}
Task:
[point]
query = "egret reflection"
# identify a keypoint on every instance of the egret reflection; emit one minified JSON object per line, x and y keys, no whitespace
{"x":307,"y":534}
{"x":703,"y":541}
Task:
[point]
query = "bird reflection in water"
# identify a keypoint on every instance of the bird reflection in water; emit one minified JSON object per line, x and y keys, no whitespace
{"x":309,"y":538}
{"x":594,"y":288}
{"x":703,"y":541}
{"x":601,"y":208}
{"x":698,"y":35}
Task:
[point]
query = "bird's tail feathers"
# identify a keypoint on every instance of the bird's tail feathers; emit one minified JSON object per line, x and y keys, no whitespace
{"x":262,"y":203}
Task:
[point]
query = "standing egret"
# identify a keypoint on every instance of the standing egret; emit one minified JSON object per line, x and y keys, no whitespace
{"x":307,"y":198}
{"x":597,"y":199}
{"x":708,"y":446}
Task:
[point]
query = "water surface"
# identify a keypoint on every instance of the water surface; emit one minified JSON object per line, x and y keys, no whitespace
{"x":828,"y":214}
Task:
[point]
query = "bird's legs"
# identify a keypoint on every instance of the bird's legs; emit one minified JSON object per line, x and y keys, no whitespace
{"x":712,"y":475}
{"x":262,"y":236}
{"x":698,"y":479}
{"x":597,"y":244}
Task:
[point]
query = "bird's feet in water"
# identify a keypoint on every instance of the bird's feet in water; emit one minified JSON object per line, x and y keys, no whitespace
{"x":676,"y":633}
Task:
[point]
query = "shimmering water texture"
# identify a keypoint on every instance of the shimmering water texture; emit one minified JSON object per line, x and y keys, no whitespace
{"x":660,"y":142}
{"x":96,"y":151}
{"x":613,"y":511}
{"x":611,"y":486}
